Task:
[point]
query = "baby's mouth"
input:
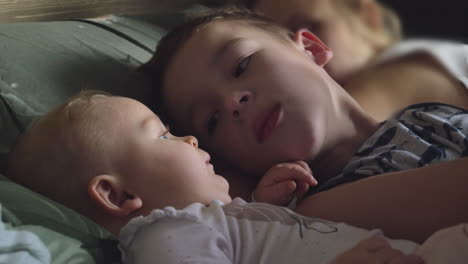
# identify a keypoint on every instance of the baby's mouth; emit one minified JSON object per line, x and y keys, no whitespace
{"x":208,"y":163}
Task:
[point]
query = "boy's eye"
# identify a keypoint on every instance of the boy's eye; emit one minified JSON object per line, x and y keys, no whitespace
{"x":163,"y":137}
{"x":241,"y":67}
{"x":212,"y":123}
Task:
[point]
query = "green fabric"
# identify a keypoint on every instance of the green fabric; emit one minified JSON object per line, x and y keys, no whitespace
{"x":69,"y":236}
{"x":43,"y":63}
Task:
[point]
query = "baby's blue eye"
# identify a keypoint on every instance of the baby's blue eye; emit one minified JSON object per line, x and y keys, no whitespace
{"x":163,"y":137}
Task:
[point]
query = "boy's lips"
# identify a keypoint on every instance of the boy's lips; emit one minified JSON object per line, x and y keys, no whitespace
{"x":266,"y":122}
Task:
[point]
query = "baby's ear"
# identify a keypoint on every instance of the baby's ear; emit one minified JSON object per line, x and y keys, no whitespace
{"x":313,"y":46}
{"x":110,"y":194}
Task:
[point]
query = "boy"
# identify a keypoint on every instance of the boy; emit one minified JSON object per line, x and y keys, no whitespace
{"x":112,"y":159}
{"x":253,"y":91}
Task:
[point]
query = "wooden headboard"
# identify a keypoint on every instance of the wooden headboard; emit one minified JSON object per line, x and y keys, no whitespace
{"x":47,"y":10}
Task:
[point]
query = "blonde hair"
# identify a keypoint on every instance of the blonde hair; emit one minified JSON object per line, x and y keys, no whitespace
{"x":350,"y":8}
{"x":48,"y":157}
{"x":390,"y":20}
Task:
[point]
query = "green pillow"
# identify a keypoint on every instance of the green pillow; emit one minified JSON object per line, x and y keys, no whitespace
{"x":42,"y":63}
{"x":69,"y":236}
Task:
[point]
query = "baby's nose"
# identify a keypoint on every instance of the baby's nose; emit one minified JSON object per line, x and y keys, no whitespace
{"x":191,"y":140}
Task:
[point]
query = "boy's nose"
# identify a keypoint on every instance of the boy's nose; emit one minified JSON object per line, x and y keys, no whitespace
{"x":191,"y":140}
{"x":237,"y":101}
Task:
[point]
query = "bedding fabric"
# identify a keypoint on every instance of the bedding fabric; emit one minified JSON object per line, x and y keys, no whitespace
{"x":451,"y":55}
{"x":239,"y":232}
{"x":68,"y":236}
{"x":18,"y":246}
{"x":41,"y":64}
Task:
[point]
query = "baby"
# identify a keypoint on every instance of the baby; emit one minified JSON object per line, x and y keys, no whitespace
{"x":112,"y":159}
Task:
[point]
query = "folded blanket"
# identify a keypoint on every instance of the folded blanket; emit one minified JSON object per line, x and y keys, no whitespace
{"x":19,"y":246}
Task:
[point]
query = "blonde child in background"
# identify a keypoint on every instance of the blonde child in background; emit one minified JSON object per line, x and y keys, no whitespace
{"x":112,"y":160}
{"x":366,"y":39}
{"x":256,"y":94}
{"x":357,"y":31}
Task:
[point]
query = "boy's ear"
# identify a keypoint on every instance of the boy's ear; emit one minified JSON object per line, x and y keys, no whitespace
{"x":313,"y":46}
{"x":107,"y":191}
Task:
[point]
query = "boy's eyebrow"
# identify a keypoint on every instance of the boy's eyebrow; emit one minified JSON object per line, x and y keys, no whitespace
{"x":224,"y":48}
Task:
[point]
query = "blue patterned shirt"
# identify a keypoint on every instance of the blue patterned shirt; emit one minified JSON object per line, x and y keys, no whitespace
{"x":420,"y":135}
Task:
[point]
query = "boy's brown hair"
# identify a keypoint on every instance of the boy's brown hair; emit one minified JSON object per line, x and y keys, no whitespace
{"x":168,"y":47}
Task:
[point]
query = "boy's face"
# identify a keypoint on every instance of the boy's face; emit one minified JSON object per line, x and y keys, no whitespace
{"x":325,"y":19}
{"x":252,"y":99}
{"x":160,"y":168}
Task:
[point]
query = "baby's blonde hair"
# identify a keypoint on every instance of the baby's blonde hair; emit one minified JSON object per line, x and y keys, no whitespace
{"x":48,"y":157}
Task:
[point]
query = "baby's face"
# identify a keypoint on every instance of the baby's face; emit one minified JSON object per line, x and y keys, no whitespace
{"x":337,"y":29}
{"x":252,"y":99}
{"x":160,"y":168}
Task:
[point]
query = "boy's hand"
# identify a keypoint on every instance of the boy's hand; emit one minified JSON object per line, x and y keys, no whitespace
{"x":375,"y":250}
{"x":284,"y":181}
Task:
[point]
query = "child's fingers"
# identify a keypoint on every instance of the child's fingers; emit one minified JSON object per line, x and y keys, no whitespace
{"x":284,"y":192}
{"x":304,"y":165}
{"x":284,"y":181}
{"x":301,"y":189}
{"x":278,"y":194}
{"x":303,"y":186}
{"x":301,"y":175}
{"x":290,"y":171}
